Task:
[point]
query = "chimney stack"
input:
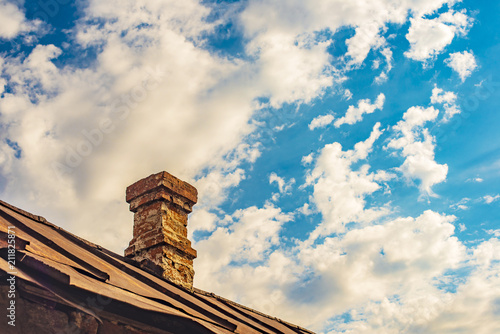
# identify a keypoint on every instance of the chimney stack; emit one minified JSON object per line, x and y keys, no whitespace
{"x":161,"y":204}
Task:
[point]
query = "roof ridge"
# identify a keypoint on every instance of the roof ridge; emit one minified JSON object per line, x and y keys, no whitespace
{"x":44,"y":221}
{"x":213,"y":295}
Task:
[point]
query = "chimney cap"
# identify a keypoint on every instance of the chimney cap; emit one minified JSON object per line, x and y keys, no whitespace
{"x":161,"y":181}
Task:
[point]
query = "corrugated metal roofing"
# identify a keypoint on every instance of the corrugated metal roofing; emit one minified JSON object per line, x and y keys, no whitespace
{"x":74,"y":270}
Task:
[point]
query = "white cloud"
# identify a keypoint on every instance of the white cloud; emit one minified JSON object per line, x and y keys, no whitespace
{"x":12,"y":20}
{"x":382,"y":77}
{"x":248,"y":237}
{"x":149,"y":53}
{"x":442,"y":97}
{"x":495,"y":233}
{"x":417,"y":146}
{"x":355,"y":114}
{"x":214,"y":186}
{"x":366,"y":38}
{"x":284,"y":187}
{"x":448,"y":100}
{"x":291,"y":69}
{"x":394,"y":263}
{"x":471,"y":309}
{"x":201,"y":220}
{"x":79,"y":120}
{"x":347,"y":94}
{"x":306,"y":160}
{"x":429,"y":37}
{"x":397,"y":276}
{"x":305,"y":209}
{"x":284,"y":39}
{"x":321,"y":121}
{"x":463,"y":63}
{"x":488,"y":199}
{"x":339,"y":192}
{"x":384,"y":275}
{"x":387,"y":53}
{"x":460,"y":205}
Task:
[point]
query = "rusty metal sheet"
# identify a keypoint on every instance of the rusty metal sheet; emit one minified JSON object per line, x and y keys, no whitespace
{"x":4,"y":265}
{"x":275,"y":327}
{"x":275,"y":323}
{"x":83,"y":282}
{"x":67,"y":297}
{"x":50,"y":237}
{"x":37,"y":247}
{"x":117,"y":277}
{"x":250,"y":325}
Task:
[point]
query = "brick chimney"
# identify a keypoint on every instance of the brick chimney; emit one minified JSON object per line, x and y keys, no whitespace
{"x":161,"y":204}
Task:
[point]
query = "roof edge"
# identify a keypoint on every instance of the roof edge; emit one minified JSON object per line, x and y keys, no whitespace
{"x":44,"y":221}
{"x":22,"y":212}
{"x":225,"y":300}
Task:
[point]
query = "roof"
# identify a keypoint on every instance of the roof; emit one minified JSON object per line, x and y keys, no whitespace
{"x":72,"y":271}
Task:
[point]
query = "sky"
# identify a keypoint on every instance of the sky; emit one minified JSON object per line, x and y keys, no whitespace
{"x":346,"y":153}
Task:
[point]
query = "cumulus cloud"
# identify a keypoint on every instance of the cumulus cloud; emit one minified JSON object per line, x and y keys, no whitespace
{"x":382,"y":77}
{"x":366,"y":38}
{"x":472,"y":308}
{"x":417,"y":147}
{"x":429,"y":37}
{"x":347,"y":94}
{"x":448,"y":100}
{"x":321,"y":121}
{"x":288,"y":47}
{"x":464,"y":63}
{"x":378,"y":263}
{"x":394,"y":264}
{"x":12,"y":20}
{"x":397,"y":276}
{"x":248,"y":237}
{"x":201,"y":220}
{"x":461,"y":205}
{"x":488,"y":199}
{"x":495,"y":233}
{"x":386,"y":276}
{"x":70,"y":123}
{"x":284,"y":187}
{"x":154,"y":98}
{"x":339,"y":192}
{"x":355,"y":114}
{"x":306,"y":160}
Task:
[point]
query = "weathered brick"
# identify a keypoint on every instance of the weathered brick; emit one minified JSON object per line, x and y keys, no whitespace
{"x":161,"y":204}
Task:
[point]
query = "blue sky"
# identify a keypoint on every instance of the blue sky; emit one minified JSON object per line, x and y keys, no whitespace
{"x":346,"y":154}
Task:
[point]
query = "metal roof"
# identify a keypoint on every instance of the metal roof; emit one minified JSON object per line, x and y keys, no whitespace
{"x":83,"y":275}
